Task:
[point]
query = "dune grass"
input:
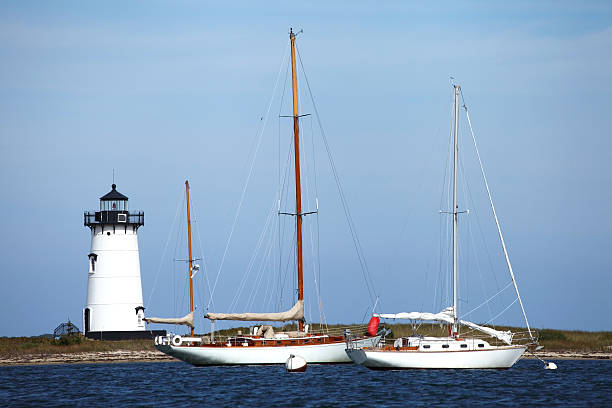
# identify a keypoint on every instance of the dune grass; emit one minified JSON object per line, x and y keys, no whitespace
{"x":19,"y":346}
{"x":552,"y":340}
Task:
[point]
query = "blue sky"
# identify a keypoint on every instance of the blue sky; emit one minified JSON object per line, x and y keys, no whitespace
{"x":167,"y":91}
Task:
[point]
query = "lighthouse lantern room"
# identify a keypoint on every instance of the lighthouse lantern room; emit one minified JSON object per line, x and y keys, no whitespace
{"x":114,"y":308}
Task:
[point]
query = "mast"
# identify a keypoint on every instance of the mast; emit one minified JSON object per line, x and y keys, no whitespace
{"x":455,"y":209}
{"x":190,"y":258}
{"x":298,"y":193}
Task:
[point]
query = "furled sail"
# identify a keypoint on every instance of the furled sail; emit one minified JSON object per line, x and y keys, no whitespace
{"x":447,"y":316}
{"x":505,"y":336}
{"x":295,"y":313}
{"x":186,"y":320}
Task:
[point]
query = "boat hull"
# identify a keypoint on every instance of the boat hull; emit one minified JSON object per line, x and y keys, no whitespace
{"x":493,"y":358}
{"x":329,"y":353}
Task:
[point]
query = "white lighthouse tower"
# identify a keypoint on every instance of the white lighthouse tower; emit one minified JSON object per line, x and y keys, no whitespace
{"x":114,"y":308}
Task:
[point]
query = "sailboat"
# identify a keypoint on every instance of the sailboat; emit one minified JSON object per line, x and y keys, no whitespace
{"x":454,"y":350}
{"x":263,"y":345}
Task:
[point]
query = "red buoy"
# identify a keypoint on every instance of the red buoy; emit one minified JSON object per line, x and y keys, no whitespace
{"x":373,"y":326}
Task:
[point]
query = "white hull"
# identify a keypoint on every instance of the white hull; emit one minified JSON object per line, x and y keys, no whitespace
{"x":497,"y":357}
{"x":236,"y":355}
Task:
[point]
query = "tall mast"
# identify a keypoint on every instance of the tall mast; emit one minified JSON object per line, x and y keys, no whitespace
{"x":455,"y":209}
{"x":190,"y":258}
{"x":298,"y":192}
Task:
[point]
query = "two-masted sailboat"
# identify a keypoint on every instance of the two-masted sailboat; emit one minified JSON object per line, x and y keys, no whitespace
{"x":263,"y":345}
{"x":455,"y":350}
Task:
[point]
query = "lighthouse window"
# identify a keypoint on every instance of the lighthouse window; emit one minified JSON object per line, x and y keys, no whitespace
{"x":114,"y":205}
{"x":121,"y":217}
{"x":92,"y":262}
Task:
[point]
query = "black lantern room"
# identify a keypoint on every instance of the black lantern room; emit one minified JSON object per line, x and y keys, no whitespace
{"x":114,"y":210}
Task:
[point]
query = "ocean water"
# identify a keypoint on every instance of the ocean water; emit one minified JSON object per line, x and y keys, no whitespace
{"x":575,"y":384}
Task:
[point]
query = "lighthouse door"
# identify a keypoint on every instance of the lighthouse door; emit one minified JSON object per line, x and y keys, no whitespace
{"x":86,"y":320}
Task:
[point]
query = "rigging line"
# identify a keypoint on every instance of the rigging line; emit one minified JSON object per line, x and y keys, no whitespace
{"x":319,"y":269}
{"x":318,"y":255}
{"x":444,"y":225}
{"x":203,"y":257}
{"x":260,"y":276}
{"x":315,"y":251}
{"x":356,"y":242}
{"x":283,"y":189}
{"x":482,"y":288}
{"x":290,"y":260}
{"x":164,"y":252}
{"x":502,"y":312}
{"x":307,"y":171}
{"x":487,"y":301}
{"x":269,"y":288}
{"x":252,"y":261}
{"x":501,"y":237}
{"x":263,"y":266}
{"x":469,"y":224}
{"x":261,"y":131}
{"x":178,"y":240}
{"x":478,"y":223}
{"x":482,"y":237}
{"x":280,"y":191}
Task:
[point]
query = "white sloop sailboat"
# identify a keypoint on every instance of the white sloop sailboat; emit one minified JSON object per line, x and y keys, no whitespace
{"x":453,"y":351}
{"x":263,"y":345}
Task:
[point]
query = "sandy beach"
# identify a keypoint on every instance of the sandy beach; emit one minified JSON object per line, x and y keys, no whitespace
{"x":116,"y":356}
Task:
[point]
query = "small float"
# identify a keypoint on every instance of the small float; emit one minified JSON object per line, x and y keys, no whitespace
{"x":295,"y":364}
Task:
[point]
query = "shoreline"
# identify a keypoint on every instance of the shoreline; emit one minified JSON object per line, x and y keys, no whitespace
{"x":154,"y":356}
{"x":91,"y":357}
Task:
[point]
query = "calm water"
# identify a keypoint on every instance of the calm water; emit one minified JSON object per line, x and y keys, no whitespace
{"x":575,"y":383}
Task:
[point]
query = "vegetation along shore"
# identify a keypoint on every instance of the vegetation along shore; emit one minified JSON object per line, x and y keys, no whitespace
{"x":558,"y":344}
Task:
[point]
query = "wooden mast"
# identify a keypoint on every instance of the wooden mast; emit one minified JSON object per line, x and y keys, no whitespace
{"x":298,"y":192}
{"x":190,"y":258}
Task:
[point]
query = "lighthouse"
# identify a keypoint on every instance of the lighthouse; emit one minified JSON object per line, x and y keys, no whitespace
{"x":114,"y":308}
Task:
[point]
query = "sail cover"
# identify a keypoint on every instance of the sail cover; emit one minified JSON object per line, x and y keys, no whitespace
{"x":186,"y":320}
{"x":295,"y":313}
{"x":447,"y":316}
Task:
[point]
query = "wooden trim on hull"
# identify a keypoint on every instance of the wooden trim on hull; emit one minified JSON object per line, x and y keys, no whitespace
{"x":331,"y":352}
{"x":260,"y":342}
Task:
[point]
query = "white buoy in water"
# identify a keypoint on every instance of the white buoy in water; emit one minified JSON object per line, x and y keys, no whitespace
{"x":295,"y":364}
{"x":550,"y":366}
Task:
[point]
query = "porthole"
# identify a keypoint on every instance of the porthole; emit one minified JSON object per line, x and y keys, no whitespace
{"x":480,"y":345}
{"x":464,"y":346}
{"x":108,"y":233}
{"x":445,"y":346}
{"x":426,"y":346}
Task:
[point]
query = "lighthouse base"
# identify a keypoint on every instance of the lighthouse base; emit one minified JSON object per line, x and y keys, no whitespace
{"x":124,"y":335}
